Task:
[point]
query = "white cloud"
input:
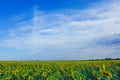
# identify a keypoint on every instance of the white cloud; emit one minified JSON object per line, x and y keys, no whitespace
{"x":65,"y":32}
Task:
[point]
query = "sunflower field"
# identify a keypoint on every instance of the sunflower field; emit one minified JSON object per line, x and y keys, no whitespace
{"x":60,"y":70}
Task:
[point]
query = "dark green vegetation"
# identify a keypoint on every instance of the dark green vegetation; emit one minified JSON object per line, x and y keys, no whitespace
{"x":60,"y":70}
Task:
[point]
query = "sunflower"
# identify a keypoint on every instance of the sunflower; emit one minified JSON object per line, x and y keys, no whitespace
{"x":118,"y":68}
{"x":107,"y":74}
{"x":98,"y":78}
{"x":44,"y":74}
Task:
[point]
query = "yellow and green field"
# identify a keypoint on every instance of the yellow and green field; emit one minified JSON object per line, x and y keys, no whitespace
{"x":60,"y":70}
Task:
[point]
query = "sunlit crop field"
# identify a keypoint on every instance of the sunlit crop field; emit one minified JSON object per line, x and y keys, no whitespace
{"x":60,"y":70}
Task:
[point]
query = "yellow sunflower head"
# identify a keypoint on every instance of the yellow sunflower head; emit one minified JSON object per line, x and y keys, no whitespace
{"x":44,"y":74}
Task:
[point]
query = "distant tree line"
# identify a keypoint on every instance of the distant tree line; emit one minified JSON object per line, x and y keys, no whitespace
{"x":106,"y":59}
{"x":112,"y":59}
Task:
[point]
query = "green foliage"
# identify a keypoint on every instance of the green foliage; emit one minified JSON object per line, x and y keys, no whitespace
{"x":60,"y":70}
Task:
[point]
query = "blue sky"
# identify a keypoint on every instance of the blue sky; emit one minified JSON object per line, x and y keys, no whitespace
{"x":59,"y":29}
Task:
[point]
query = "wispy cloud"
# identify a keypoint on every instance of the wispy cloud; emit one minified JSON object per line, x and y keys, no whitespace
{"x":69,"y":34}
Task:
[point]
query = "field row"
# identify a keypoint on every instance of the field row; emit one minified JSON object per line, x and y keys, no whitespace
{"x":60,"y":70}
